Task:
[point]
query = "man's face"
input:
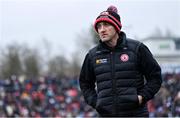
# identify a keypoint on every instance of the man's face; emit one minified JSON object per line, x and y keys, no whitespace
{"x":106,"y":31}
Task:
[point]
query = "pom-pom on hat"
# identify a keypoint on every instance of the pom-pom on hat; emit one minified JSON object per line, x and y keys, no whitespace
{"x":111,"y":16}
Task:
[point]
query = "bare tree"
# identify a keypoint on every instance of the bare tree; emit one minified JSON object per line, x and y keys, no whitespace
{"x":58,"y":66}
{"x":11,"y":62}
{"x":74,"y":66}
{"x":31,"y":62}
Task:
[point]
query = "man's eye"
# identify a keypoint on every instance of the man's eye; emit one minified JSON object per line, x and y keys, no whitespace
{"x":97,"y":25}
{"x":106,"y":24}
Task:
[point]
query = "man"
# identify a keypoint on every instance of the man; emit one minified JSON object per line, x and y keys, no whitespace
{"x":119,"y":75}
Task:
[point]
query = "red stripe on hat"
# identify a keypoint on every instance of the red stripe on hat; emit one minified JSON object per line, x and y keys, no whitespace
{"x":107,"y":20}
{"x":115,"y":19}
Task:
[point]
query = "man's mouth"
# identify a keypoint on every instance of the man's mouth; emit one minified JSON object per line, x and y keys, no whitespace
{"x":104,"y":35}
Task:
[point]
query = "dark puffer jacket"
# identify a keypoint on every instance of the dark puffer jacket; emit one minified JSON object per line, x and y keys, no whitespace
{"x":120,"y":74}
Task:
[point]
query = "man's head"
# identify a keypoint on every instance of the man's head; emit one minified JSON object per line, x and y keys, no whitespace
{"x":110,"y":16}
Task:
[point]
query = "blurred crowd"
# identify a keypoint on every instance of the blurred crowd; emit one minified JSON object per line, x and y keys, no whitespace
{"x":166,"y":103}
{"x":42,"y":97}
{"x":61,"y":97}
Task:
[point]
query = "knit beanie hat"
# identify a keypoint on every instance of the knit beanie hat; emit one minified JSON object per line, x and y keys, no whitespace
{"x":111,"y":16}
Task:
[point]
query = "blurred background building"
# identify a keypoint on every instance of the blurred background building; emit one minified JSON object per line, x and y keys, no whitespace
{"x":167,"y":52}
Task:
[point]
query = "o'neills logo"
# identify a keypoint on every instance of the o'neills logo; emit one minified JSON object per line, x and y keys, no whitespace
{"x":101,"y":61}
{"x":124,"y":57}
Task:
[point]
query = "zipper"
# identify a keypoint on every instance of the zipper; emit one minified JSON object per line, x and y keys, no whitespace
{"x":113,"y":83}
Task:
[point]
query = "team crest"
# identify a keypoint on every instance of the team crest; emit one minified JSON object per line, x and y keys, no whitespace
{"x":124,"y":57}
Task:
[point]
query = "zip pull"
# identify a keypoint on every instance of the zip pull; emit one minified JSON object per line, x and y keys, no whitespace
{"x":125,"y":48}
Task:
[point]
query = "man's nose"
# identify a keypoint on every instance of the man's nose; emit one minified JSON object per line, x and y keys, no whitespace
{"x":102,"y":28}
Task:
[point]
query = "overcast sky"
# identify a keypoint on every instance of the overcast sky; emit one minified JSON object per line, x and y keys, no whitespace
{"x":59,"y":21}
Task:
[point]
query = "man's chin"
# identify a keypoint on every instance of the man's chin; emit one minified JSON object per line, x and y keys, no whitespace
{"x":104,"y":40}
